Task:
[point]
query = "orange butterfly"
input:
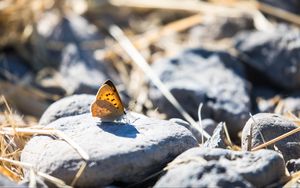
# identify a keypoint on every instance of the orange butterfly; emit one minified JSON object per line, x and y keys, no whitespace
{"x":108,"y":105}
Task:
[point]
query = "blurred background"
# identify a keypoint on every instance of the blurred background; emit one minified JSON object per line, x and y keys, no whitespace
{"x":51,"y":49}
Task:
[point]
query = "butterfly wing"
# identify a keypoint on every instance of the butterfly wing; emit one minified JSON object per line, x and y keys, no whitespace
{"x":108,"y":104}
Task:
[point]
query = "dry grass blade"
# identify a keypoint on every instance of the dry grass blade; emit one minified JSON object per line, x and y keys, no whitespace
{"x":200,"y":122}
{"x":276,"y":139}
{"x":138,"y":59}
{"x":79,"y":173}
{"x":28,"y":131}
{"x":187,"y":5}
{"x":279,"y":13}
{"x":294,"y":179}
{"x":58,"y":182}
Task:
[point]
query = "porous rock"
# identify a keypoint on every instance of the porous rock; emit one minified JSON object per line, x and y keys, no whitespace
{"x":267,"y":126}
{"x":123,"y":152}
{"x":68,"y":106}
{"x":273,"y":55}
{"x":212,"y":78}
{"x":258,"y":169}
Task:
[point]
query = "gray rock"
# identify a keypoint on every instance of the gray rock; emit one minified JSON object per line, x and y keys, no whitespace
{"x":291,"y":104}
{"x":212,"y":78}
{"x":293,"y":165}
{"x":68,"y":106}
{"x":122,"y":152}
{"x":258,"y":169}
{"x":218,"y":138}
{"x":198,"y":175}
{"x":269,"y":126}
{"x":273,"y":54}
{"x":78,"y":69}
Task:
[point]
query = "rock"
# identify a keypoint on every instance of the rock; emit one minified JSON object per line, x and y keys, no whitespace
{"x":293,"y":165}
{"x":217,"y":28}
{"x":273,"y":55}
{"x":13,"y":68}
{"x":288,"y":5}
{"x":78,"y":70}
{"x":212,"y":167}
{"x":290,"y":104}
{"x":198,"y":175}
{"x":5,"y":182}
{"x":271,"y":126}
{"x":218,"y":138}
{"x":118,"y":151}
{"x":68,"y":106}
{"x":212,"y":78}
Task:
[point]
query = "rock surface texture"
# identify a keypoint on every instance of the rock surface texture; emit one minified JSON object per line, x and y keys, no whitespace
{"x":127,"y":150}
{"x":265,"y":127}
{"x":273,"y":54}
{"x":212,"y":78}
{"x":224,"y":168}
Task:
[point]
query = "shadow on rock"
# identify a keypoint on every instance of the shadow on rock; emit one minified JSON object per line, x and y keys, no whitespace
{"x":119,"y":129}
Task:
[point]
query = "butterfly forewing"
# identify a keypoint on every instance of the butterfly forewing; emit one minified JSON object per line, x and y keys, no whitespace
{"x":108,"y":104}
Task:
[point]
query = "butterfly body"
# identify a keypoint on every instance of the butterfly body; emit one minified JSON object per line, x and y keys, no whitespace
{"x":108,"y":105}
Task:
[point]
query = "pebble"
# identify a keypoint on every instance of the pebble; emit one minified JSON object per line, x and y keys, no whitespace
{"x":293,"y":165}
{"x":273,"y":55}
{"x":118,"y":151}
{"x":270,"y":126}
{"x":212,"y":78}
{"x":224,"y":168}
{"x":68,"y":106}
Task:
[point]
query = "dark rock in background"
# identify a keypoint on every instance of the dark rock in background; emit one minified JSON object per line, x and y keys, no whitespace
{"x":220,"y":27}
{"x":274,"y":55}
{"x":215,"y":79}
{"x":13,"y":68}
{"x":288,"y":5}
{"x":209,"y":125}
{"x":270,"y":126}
{"x":221,"y":168}
{"x":71,"y":43}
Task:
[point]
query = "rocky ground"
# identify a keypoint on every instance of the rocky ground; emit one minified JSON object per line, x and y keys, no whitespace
{"x":234,"y":68}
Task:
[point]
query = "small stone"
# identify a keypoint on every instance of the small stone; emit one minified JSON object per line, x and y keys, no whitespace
{"x":218,"y":138}
{"x":68,"y":106}
{"x":265,"y":127}
{"x":293,"y":165}
{"x":197,"y":76}
{"x":5,"y":182}
{"x":118,"y":151}
{"x":273,"y":55}
{"x":204,"y":166}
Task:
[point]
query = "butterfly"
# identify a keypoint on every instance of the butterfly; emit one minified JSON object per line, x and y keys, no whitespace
{"x":108,"y":105}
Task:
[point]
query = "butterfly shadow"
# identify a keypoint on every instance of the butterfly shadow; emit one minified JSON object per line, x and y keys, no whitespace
{"x":119,"y":129}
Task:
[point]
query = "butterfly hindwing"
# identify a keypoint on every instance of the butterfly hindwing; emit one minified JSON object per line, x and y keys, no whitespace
{"x":108,"y":104}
